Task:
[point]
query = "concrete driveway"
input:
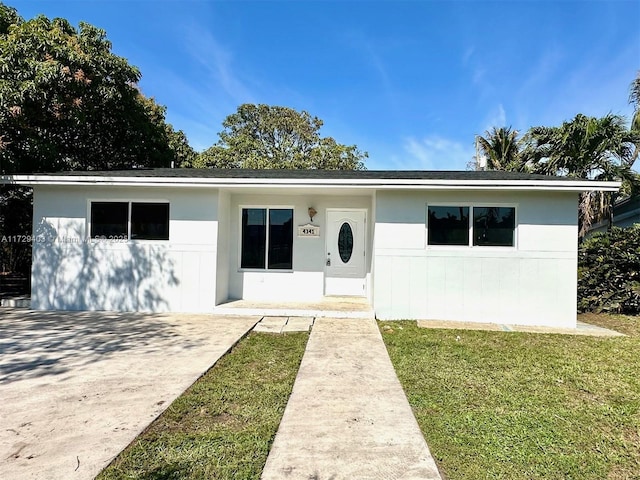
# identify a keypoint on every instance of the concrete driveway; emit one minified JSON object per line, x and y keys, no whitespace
{"x":78,"y":387}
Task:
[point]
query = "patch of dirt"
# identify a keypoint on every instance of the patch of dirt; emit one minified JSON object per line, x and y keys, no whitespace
{"x":222,"y":418}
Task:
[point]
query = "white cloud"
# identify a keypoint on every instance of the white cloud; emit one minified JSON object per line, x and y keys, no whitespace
{"x":434,"y":153}
{"x":218,"y":62}
{"x":468,"y":53}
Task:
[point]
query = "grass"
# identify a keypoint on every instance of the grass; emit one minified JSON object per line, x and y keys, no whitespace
{"x":222,"y":427}
{"x":524,"y":406}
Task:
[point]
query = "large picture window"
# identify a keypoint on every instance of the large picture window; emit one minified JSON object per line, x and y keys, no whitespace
{"x":478,"y":226}
{"x":267,"y":238}
{"x":130,"y":220}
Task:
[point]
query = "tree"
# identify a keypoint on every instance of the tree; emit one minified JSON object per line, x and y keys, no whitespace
{"x":501,"y":149}
{"x":634,"y":99}
{"x":609,"y":271}
{"x":68,"y":103}
{"x":263,"y":136}
{"x":590,"y":148}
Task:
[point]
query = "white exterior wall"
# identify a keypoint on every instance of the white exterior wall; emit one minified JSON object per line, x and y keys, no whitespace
{"x":306,"y":281}
{"x":531,"y":284}
{"x":224,"y":239}
{"x":69,"y":273}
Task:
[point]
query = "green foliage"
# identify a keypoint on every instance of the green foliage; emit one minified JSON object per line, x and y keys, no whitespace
{"x":8,"y":16}
{"x":263,"y":136}
{"x":501,"y":148}
{"x":585,"y":147}
{"x":634,"y":99}
{"x":590,"y":148}
{"x":68,"y":103}
{"x":609,"y":271}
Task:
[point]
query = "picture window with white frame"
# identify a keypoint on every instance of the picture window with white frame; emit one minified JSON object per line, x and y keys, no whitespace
{"x":130,"y":220}
{"x":466,"y":225}
{"x":267,"y":239}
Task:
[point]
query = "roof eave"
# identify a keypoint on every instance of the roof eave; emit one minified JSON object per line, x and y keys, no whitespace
{"x":426,"y":184}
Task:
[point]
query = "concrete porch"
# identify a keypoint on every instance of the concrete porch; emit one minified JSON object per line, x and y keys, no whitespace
{"x":328,"y":307}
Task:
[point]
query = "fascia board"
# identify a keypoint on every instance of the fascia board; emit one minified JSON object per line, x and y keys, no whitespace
{"x":430,"y":184}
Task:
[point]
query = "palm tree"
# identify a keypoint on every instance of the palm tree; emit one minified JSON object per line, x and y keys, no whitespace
{"x":501,"y":149}
{"x":591,"y":148}
{"x":634,"y":98}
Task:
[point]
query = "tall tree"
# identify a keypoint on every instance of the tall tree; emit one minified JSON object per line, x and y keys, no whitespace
{"x":264,"y":136}
{"x":68,"y":102}
{"x":590,"y":148}
{"x":634,"y":99}
{"x":501,"y":150}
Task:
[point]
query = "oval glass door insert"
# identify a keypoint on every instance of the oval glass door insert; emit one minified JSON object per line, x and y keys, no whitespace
{"x":345,"y":242}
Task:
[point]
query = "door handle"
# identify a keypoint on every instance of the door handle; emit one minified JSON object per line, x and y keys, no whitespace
{"x":328,"y":262}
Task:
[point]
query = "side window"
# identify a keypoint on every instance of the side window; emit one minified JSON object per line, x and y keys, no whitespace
{"x":494,"y":226}
{"x":109,"y":219}
{"x":267,"y":238}
{"x":448,"y":225}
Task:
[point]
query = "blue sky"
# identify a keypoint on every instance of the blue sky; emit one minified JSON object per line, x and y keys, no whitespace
{"x":411,"y":82}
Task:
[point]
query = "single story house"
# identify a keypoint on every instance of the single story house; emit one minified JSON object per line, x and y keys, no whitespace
{"x":479,"y":246}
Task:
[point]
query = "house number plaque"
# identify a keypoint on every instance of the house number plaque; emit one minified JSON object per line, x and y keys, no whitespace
{"x":308,"y":230}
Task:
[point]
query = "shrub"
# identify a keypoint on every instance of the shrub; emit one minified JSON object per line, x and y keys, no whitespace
{"x":609,"y":271}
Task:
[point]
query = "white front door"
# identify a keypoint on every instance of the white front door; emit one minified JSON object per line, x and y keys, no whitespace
{"x":345,"y":260}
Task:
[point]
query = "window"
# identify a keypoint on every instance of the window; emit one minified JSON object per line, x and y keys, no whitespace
{"x":491,"y":226}
{"x":448,"y":225}
{"x":130,"y":220}
{"x":494,"y":226}
{"x":267,"y":238}
{"x":150,"y":221}
{"x":109,"y":219}
{"x":345,"y":242}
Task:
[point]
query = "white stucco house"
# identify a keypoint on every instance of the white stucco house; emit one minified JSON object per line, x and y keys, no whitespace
{"x":470,"y":246}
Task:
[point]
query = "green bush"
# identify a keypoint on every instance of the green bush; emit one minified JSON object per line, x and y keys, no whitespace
{"x":609,"y":272}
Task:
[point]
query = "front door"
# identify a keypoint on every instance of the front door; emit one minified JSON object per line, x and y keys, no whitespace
{"x":345,"y":260}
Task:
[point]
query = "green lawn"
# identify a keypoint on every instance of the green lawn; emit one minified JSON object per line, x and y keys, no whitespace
{"x":524,"y":406}
{"x":223,"y":426}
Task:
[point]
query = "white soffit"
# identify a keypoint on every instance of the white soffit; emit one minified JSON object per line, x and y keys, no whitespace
{"x":315,"y":183}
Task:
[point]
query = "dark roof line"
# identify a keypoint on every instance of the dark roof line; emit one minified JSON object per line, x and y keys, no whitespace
{"x":240,"y":173}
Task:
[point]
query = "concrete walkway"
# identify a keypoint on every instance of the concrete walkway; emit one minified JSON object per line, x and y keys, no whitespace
{"x":348,"y":417}
{"x":77,"y":387}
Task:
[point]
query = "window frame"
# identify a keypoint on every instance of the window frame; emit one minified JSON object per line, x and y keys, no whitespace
{"x":129,"y":203}
{"x":472,"y":206}
{"x":267,"y":208}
